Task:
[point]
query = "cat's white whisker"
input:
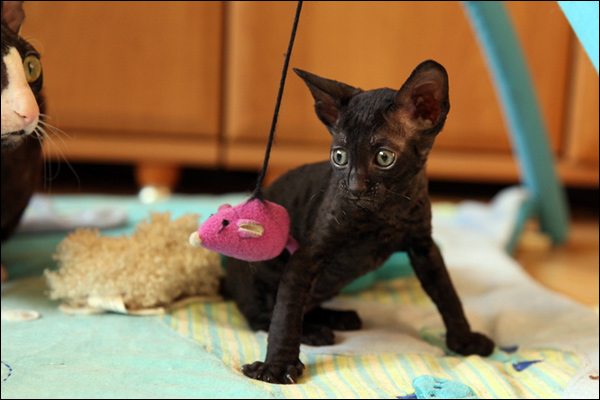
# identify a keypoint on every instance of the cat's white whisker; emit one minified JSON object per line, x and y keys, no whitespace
{"x":47,"y":171}
{"x":57,"y":134}
{"x":39,"y":135}
{"x":35,"y":43}
{"x":54,"y":128}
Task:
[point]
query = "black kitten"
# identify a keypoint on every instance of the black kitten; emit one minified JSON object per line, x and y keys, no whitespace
{"x":349,"y":215}
{"x":21,"y":97}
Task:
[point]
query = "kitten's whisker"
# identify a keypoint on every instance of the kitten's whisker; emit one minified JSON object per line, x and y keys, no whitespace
{"x":397,"y":194}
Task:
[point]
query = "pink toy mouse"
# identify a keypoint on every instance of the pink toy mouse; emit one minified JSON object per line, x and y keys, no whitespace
{"x":256,"y":230}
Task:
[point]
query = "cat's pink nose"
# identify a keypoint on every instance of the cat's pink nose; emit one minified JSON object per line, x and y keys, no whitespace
{"x":28,"y":112}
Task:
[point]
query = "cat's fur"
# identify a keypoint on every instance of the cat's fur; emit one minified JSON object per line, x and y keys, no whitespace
{"x":21,"y":147}
{"x":349,"y":215}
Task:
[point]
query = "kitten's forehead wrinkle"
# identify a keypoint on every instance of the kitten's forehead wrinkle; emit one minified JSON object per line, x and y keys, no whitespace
{"x":366,"y":111}
{"x":387,"y":139}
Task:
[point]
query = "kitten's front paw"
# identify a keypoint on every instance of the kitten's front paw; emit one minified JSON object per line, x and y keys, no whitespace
{"x":473,"y":343}
{"x":278,"y":373}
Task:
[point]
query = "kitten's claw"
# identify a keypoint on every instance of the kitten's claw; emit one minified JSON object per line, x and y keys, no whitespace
{"x":276,"y":373}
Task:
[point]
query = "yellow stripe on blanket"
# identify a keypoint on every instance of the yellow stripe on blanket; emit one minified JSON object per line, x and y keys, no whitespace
{"x":222,"y":330}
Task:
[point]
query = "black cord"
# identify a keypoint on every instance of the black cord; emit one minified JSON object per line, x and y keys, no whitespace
{"x":258,"y":191}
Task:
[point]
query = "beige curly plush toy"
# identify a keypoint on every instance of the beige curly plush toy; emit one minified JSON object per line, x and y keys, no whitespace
{"x":152,"y":269}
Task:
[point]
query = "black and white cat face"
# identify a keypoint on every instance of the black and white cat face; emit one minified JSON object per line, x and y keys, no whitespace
{"x":381,"y":137}
{"x":21,"y":78}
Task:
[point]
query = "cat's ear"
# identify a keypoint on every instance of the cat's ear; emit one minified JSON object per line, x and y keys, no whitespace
{"x":423,"y":101}
{"x":13,"y":14}
{"x":329,"y":95}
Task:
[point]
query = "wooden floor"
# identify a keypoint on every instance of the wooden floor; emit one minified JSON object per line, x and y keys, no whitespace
{"x":572,"y":268}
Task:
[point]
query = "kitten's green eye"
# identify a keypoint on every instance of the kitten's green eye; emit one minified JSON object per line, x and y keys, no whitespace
{"x":385,"y":158}
{"x":33,"y":68}
{"x":339,"y":157}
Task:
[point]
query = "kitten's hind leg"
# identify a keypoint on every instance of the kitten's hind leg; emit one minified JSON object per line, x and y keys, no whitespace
{"x":317,"y":335}
{"x":255,"y":303}
{"x":335,"y":319}
{"x":319,"y":324}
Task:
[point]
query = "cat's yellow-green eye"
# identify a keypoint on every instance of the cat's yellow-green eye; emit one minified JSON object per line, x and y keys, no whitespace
{"x":339,"y":157}
{"x":33,"y":68}
{"x":385,"y":158}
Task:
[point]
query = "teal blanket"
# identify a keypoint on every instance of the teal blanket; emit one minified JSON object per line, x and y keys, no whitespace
{"x":547,"y":345}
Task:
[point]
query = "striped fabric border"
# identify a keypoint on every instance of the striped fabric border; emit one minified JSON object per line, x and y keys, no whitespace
{"x":223,"y":331}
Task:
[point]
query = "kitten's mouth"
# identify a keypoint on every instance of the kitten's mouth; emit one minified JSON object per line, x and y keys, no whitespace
{"x":362,"y":202}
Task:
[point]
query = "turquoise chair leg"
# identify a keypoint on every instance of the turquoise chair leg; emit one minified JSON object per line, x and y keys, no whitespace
{"x":491,"y":23}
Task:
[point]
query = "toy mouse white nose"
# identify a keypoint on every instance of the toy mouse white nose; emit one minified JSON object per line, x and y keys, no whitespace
{"x":195,"y":239}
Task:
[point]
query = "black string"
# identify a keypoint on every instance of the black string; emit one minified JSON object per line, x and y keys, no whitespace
{"x":258,"y":191}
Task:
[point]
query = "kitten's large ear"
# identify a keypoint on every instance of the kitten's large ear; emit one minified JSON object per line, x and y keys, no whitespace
{"x":329,"y":95}
{"x":423,"y":101}
{"x":13,"y":14}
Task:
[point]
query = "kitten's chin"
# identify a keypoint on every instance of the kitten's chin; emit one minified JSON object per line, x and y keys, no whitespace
{"x":361,"y":203}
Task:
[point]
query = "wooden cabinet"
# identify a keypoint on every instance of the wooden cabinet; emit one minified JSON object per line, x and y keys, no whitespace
{"x":131,"y":82}
{"x":378,"y":44}
{"x":194,"y":83}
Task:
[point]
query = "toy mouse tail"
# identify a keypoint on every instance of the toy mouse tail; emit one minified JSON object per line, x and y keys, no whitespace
{"x":258,"y":194}
{"x":258,"y":191}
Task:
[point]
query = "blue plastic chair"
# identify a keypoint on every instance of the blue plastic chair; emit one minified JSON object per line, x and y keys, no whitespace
{"x":498,"y":41}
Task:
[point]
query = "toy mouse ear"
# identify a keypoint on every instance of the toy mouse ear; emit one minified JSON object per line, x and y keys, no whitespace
{"x":250,"y":229}
{"x":423,"y":101}
{"x":224,"y":207}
